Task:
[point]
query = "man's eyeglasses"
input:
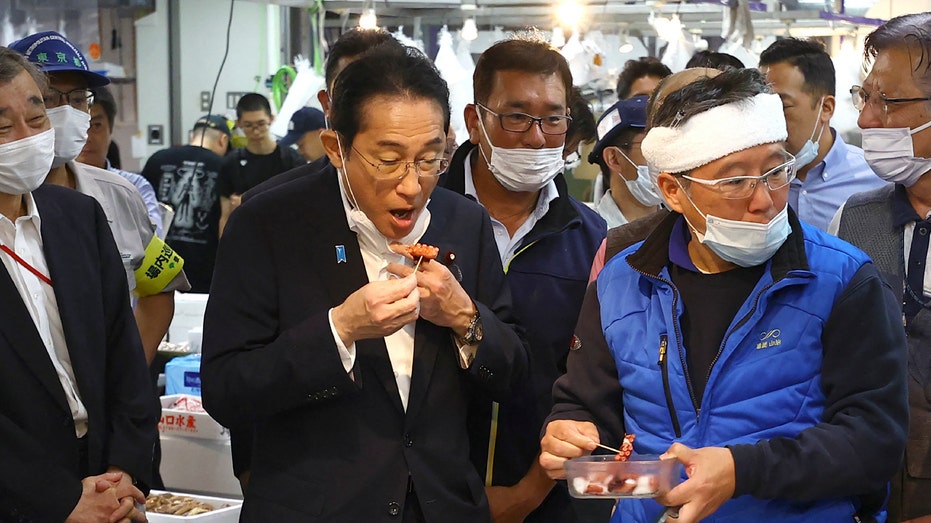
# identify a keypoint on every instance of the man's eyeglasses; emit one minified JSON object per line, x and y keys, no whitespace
{"x":255,"y":126}
{"x":861,"y":97}
{"x":396,"y":170}
{"x":740,"y":187}
{"x":554,"y":124}
{"x":79,"y":98}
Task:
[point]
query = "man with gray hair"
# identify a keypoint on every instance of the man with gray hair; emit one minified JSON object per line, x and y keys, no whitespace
{"x":724,"y":339}
{"x":892,"y":223}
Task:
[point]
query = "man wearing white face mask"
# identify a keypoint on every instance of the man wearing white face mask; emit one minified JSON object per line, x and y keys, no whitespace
{"x":153,"y":270}
{"x":512,"y":165}
{"x":724,"y":340}
{"x":76,"y":427}
{"x":892,"y":224}
{"x":632,"y":194}
{"x":829,"y":170}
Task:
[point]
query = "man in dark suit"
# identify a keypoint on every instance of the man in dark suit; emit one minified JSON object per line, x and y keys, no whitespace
{"x":355,"y":368}
{"x":77,"y":424}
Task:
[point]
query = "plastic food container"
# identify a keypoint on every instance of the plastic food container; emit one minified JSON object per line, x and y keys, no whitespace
{"x":645,"y":476}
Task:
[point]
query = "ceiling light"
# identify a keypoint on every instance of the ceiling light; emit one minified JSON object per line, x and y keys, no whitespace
{"x":469,"y":31}
{"x":569,"y":13}
{"x":368,"y":20}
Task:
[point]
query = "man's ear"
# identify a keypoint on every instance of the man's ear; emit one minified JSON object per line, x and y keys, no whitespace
{"x":324,"y":100}
{"x":672,"y":192}
{"x":471,"y":120}
{"x":827,"y":109}
{"x":331,"y":146}
{"x":612,"y":159}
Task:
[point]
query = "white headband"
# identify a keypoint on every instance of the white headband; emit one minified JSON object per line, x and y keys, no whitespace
{"x":716,"y":133}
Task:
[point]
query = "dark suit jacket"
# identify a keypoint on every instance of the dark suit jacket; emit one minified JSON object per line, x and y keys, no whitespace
{"x":40,"y":474}
{"x":329,"y":447}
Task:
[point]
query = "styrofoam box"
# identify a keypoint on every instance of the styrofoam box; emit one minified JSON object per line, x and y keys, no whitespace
{"x":203,"y":466}
{"x":182,"y":423}
{"x":229,"y":514}
{"x":189,"y":315}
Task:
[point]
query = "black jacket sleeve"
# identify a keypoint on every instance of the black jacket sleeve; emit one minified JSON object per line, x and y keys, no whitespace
{"x":590,"y":389}
{"x":859,"y":444}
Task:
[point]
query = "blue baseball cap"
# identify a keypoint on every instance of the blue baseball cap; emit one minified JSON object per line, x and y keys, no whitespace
{"x":625,"y":114}
{"x":303,"y":120}
{"x":54,"y":53}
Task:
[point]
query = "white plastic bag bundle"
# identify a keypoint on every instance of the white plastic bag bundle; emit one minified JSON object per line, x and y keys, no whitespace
{"x":457,"y":78}
{"x":303,"y":92}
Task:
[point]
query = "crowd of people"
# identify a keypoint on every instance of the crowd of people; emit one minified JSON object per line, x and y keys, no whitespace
{"x":747,"y":294}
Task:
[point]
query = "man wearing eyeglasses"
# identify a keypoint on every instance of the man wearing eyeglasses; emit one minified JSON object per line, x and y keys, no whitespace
{"x":829,"y":170}
{"x":153,"y":270}
{"x":763,"y":354}
{"x":892,"y":224}
{"x":261,"y":158}
{"x":513,"y":166}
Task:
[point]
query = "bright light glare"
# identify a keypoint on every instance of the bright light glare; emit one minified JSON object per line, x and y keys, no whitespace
{"x":469,"y":30}
{"x":368,"y":20}
{"x":569,"y":13}
{"x":559,"y":38}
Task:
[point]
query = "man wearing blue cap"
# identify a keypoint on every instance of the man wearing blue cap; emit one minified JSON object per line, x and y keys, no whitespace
{"x":304,"y":130}
{"x":153,"y":270}
{"x":77,"y":423}
{"x":632,"y":193}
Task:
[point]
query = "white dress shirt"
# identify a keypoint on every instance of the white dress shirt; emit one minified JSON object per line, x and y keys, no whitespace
{"x":400,"y":344}
{"x":25,"y":239}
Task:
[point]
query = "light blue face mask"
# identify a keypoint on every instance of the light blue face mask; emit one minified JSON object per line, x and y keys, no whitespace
{"x":809,"y":150}
{"x":746,"y":244}
{"x":642,"y":188}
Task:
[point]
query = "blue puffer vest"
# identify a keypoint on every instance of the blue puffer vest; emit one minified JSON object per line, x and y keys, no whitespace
{"x":765,"y":381}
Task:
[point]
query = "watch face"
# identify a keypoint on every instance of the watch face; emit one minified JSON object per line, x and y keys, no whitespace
{"x":479,"y":331}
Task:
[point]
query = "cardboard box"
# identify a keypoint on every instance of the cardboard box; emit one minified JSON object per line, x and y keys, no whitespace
{"x":229,"y":513}
{"x":182,"y":375}
{"x":183,"y":423}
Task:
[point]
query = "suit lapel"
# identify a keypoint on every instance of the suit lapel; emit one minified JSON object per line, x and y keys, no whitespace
{"x":23,"y":337}
{"x":333,"y":243}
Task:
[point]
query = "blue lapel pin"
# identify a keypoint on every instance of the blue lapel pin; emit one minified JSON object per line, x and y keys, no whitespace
{"x":340,"y":254}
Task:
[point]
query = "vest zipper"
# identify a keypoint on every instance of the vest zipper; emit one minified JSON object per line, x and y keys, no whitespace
{"x":664,"y":368}
{"x":675,"y":323}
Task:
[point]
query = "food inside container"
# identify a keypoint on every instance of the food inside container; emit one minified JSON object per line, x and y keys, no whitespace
{"x":644,"y":476}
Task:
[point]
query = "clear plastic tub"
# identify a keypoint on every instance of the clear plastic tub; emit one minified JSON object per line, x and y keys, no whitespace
{"x":644,"y":476}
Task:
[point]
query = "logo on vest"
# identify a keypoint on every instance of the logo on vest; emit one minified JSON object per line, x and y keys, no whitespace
{"x":769,"y":339}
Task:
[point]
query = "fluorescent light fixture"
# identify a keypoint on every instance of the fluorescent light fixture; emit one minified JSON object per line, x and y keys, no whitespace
{"x":469,"y":30}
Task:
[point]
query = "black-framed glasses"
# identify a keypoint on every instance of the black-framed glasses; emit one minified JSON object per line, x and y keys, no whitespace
{"x":740,"y":187}
{"x":79,"y":98}
{"x":255,"y":126}
{"x":554,"y":124}
{"x":861,"y":97}
{"x":396,"y":170}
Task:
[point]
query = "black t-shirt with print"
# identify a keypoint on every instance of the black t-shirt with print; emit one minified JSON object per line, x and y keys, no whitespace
{"x":243,"y":170}
{"x":186,"y":178}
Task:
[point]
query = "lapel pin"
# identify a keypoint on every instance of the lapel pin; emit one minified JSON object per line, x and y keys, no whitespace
{"x":340,"y":254}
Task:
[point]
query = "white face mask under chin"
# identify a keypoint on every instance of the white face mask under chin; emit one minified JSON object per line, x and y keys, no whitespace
{"x":742,"y":243}
{"x":891,"y":154}
{"x":522,"y":170}
{"x":25,"y":163}
{"x":809,"y":150}
{"x":642,"y":188}
{"x":71,"y":127}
